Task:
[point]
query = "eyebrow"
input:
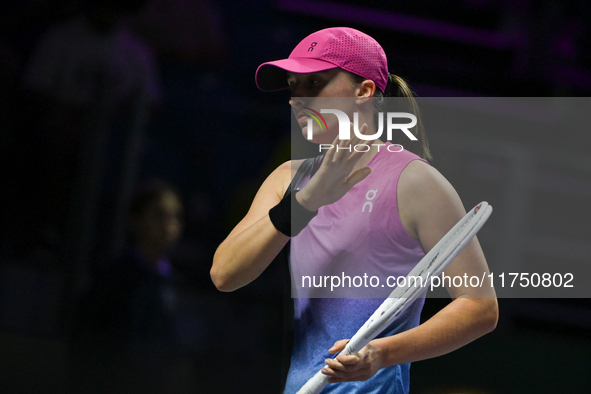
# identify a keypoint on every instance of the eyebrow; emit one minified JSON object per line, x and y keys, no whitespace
{"x":322,"y":73}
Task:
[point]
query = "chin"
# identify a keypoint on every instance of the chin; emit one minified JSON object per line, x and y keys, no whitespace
{"x":318,"y":137}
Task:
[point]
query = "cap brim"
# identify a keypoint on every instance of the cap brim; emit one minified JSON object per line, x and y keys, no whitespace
{"x":271,"y":76}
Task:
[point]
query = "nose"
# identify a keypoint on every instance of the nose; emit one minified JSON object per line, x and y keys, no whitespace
{"x":296,"y":101}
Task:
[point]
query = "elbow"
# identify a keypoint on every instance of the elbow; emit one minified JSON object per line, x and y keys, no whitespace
{"x":482,"y":314}
{"x":220,"y":281}
{"x":220,"y":276}
{"x":490,"y":317}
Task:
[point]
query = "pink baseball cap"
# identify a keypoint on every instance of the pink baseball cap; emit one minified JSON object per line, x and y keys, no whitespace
{"x":341,"y":47}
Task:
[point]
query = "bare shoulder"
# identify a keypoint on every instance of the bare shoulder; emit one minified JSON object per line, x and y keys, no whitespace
{"x":289,"y":166}
{"x":420,"y":177}
{"x":283,"y":175}
{"x":425,"y":195}
{"x":274,"y":187}
{"x":278,"y":180}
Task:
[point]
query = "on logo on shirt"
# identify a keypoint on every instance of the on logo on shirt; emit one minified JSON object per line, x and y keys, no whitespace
{"x":370,"y":195}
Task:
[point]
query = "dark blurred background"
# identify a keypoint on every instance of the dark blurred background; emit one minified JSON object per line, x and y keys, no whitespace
{"x":100,"y":98}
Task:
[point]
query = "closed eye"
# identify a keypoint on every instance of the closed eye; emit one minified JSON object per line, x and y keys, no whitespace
{"x":308,"y":84}
{"x":312,"y":82}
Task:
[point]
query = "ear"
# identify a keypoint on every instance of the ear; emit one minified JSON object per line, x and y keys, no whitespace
{"x":366,"y":89}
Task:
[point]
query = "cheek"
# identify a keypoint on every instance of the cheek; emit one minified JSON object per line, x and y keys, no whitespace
{"x":333,"y":128}
{"x":320,"y":135}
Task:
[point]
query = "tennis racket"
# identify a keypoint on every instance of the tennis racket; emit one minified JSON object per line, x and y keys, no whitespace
{"x":434,"y":262}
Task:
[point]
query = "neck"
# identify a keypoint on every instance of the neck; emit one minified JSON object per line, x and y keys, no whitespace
{"x":367,"y":156}
{"x":371,"y":129}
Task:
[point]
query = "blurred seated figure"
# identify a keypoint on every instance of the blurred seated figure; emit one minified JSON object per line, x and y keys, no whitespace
{"x":131,"y":308}
{"x":133,"y":297}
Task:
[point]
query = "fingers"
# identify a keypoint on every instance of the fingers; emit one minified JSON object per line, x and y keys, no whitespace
{"x":345,"y":369}
{"x":347,"y":363}
{"x":349,"y":367}
{"x":328,"y":157}
{"x":349,"y":359}
{"x":344,"y":363}
{"x":358,"y":176}
{"x":338,"y":346}
{"x":337,"y":173}
{"x":347,"y":149}
{"x":342,"y":150}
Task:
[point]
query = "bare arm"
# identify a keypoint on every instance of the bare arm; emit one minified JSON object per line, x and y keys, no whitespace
{"x":429,"y":207}
{"x":254,"y":242}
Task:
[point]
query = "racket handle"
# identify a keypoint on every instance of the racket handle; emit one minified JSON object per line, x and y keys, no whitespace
{"x":314,"y":385}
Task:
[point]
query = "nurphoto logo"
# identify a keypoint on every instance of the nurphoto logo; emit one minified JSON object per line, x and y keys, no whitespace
{"x":345,"y":127}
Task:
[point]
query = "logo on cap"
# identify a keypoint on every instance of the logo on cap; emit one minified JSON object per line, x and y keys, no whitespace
{"x":312,"y":45}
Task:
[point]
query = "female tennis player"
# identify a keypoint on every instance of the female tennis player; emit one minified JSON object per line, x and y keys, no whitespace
{"x":412,"y":207}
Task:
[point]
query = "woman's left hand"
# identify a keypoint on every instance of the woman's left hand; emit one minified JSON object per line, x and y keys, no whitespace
{"x":347,"y":368}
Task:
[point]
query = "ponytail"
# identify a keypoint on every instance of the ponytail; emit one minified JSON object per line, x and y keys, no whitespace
{"x":397,"y":87}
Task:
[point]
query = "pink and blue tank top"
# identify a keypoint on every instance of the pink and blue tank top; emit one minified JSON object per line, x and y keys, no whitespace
{"x":359,"y":235}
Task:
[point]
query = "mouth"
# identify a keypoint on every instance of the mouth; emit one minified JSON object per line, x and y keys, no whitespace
{"x":303,"y":119}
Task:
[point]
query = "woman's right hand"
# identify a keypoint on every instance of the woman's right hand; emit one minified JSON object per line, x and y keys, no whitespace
{"x":337,"y":174}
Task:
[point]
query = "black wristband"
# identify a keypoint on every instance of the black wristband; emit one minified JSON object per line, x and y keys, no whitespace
{"x":281,"y":215}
